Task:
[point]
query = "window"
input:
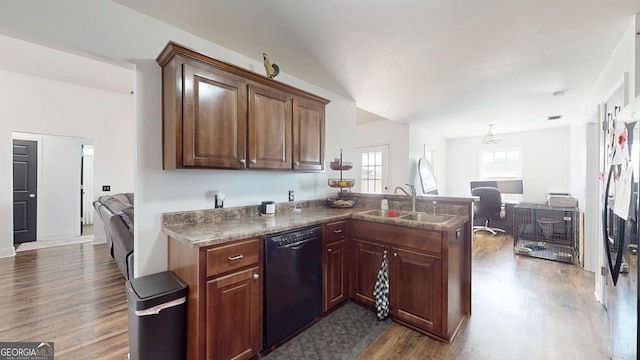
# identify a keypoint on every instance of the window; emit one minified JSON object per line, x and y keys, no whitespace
{"x":497,"y":164}
{"x":374,"y":171}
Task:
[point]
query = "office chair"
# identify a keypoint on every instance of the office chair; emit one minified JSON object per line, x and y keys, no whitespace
{"x":489,"y":207}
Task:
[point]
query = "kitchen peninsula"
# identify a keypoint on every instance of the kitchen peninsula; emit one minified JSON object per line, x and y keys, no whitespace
{"x":220,"y":253}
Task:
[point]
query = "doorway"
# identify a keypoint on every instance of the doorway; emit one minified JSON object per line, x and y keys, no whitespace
{"x":374,"y":172}
{"x":62,"y":172}
{"x":25,"y":189}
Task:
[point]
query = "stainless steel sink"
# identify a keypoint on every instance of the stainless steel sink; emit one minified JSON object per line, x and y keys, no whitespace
{"x":424,"y":217}
{"x":381,"y":213}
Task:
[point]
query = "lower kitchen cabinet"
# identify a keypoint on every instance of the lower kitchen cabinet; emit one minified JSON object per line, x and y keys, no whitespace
{"x":225,"y":299}
{"x":367,"y":258}
{"x":415,"y":283}
{"x":335,"y":276}
{"x":429,"y":282}
{"x":427,"y":274}
{"x":234,"y":315}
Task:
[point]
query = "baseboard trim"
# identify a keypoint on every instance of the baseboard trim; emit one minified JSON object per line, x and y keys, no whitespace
{"x":7,"y":252}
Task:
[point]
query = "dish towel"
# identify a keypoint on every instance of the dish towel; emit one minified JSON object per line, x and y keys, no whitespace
{"x":381,"y":291}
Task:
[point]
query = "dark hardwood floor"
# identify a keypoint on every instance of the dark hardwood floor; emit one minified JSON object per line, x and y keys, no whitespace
{"x":523,"y":308}
{"x":72,"y":295}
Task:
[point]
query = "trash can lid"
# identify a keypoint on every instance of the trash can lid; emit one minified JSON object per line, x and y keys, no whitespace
{"x":155,"y":289}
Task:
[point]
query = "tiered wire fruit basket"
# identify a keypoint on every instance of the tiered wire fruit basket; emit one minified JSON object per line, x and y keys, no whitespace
{"x":343,"y":200}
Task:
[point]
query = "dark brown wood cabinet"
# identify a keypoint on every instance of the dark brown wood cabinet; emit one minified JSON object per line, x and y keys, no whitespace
{"x":269,"y":145}
{"x":217,"y":115}
{"x":366,"y":261}
{"x":429,"y":282}
{"x":234,"y":315}
{"x":204,"y":116}
{"x":415,"y":283}
{"x":224,"y":306}
{"x":427,"y":274}
{"x":308,"y":135}
{"x":335,"y":259}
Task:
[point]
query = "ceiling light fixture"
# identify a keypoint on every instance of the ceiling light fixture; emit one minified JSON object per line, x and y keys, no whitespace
{"x":490,"y":138}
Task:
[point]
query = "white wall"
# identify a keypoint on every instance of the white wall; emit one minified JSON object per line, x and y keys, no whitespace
{"x":33,"y":104}
{"x":109,"y":29}
{"x":395,"y":135}
{"x":545,"y":162}
{"x":421,"y":136}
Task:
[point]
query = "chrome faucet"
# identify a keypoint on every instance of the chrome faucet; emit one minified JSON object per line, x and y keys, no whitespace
{"x":413,"y":195}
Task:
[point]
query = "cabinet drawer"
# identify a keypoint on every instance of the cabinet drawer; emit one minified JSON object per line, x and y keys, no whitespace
{"x":336,"y":231}
{"x":232,"y":256}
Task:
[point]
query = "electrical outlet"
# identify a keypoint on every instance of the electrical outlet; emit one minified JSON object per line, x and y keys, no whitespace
{"x":106,"y":187}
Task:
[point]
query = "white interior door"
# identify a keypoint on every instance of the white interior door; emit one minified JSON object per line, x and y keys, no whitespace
{"x":374,"y":172}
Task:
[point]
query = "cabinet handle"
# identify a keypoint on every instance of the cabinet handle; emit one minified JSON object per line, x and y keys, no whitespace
{"x":243,"y":161}
{"x":337,"y":231}
{"x":395,"y":254}
{"x":237,"y":257}
{"x":253,"y":161}
{"x":385,"y":252}
{"x":296,"y":163}
{"x":329,"y":250}
{"x":256,"y":276}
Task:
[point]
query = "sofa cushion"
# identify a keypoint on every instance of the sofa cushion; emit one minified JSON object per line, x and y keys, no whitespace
{"x":116,"y":202}
{"x":127,"y":217}
{"x":121,"y":205}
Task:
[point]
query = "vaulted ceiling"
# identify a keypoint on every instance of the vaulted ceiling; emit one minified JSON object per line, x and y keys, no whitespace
{"x":457,"y":65}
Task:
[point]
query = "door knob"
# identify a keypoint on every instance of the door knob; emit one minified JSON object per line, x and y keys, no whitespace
{"x":32,"y":195}
{"x":256,"y":276}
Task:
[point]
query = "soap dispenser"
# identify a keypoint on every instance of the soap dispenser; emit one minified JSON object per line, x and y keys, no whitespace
{"x":384,"y":204}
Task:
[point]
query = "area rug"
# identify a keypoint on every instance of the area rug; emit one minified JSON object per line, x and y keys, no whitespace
{"x":342,"y":335}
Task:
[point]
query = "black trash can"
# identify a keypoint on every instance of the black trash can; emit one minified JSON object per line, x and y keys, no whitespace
{"x":157,"y":317}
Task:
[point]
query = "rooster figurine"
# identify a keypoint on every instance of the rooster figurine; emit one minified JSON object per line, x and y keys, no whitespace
{"x":272,"y":69}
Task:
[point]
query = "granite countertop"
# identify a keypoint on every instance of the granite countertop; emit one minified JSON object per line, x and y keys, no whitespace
{"x":214,"y":231}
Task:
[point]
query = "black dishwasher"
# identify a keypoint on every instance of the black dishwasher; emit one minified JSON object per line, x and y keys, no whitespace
{"x":292,"y":282}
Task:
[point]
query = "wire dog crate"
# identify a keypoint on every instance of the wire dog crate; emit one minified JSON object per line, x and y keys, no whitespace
{"x":546,"y":232}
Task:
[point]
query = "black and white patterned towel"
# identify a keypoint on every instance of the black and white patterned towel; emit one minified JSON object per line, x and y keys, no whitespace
{"x":381,"y":291}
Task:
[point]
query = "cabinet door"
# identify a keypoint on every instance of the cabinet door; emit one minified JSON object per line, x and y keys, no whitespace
{"x":335,"y":277}
{"x":308,"y":135}
{"x":415,"y":289}
{"x":234,"y":315}
{"x":269,"y":141}
{"x":214,"y":119}
{"x":368,"y":259}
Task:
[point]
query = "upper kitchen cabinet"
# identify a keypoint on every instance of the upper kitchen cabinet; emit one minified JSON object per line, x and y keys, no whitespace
{"x":269,"y":129}
{"x":219,"y":116}
{"x":308,"y":135}
{"x":213,"y":121}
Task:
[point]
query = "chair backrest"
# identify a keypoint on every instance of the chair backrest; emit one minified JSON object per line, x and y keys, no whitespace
{"x":490,"y":202}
